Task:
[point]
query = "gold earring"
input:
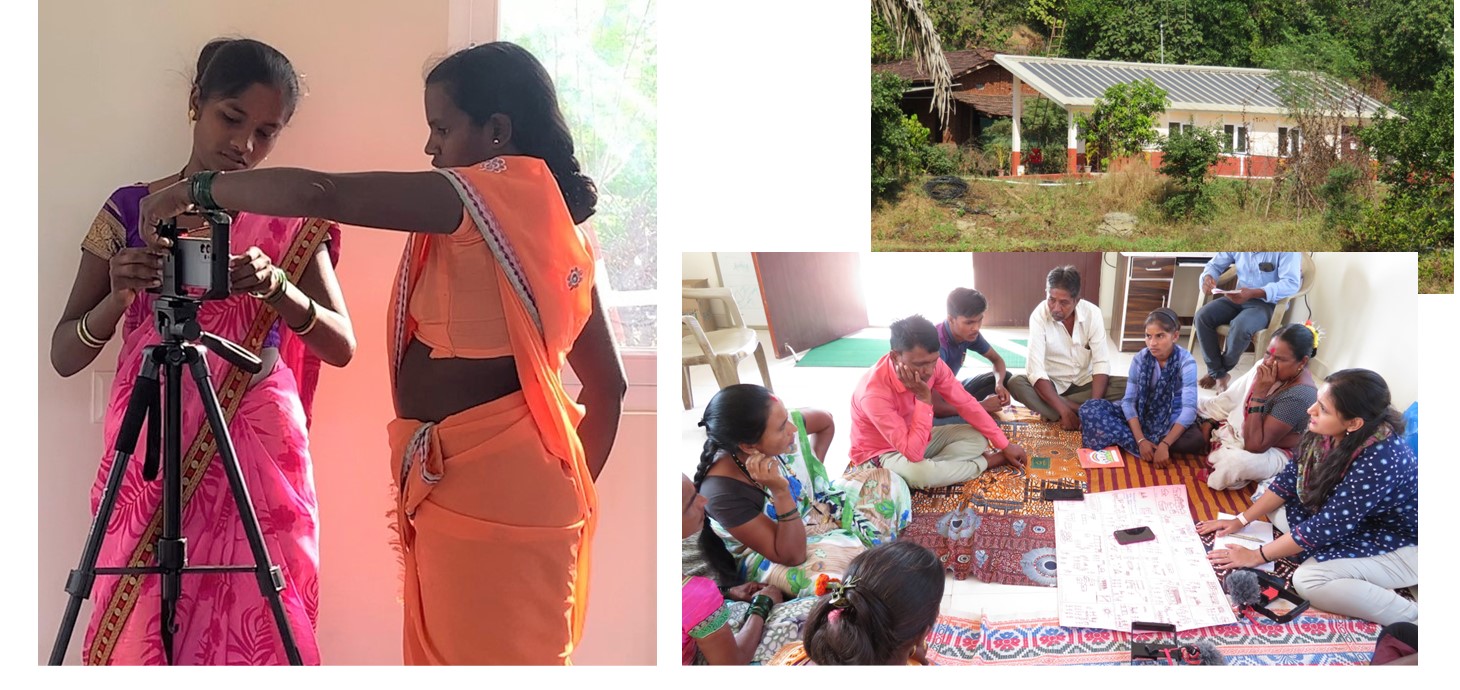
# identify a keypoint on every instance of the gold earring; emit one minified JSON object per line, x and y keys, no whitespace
{"x":192,"y":115}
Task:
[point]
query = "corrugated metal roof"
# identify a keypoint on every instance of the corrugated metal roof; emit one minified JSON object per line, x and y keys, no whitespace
{"x":960,"y":62}
{"x":1190,"y":87}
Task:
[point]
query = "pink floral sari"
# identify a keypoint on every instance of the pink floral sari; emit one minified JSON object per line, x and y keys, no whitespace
{"x":222,"y":618}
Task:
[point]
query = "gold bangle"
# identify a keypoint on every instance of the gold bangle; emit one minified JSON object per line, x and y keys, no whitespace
{"x":85,"y":335}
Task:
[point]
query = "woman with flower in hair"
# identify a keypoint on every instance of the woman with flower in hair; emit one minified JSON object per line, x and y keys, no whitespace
{"x":1264,"y":412}
{"x":1352,"y":499}
{"x":880,"y":614}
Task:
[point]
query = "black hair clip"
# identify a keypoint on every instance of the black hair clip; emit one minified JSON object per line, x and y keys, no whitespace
{"x":839,"y":592}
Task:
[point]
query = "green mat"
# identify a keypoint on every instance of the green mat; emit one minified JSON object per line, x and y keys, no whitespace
{"x":1020,"y":342}
{"x":861,"y":353}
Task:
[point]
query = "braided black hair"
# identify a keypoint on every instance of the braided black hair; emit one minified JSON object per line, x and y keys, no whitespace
{"x":736,"y":415}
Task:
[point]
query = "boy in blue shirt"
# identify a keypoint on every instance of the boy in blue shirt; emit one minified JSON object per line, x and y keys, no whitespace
{"x":958,"y":334}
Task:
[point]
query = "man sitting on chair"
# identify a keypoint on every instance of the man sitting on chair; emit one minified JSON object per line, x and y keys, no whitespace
{"x":1263,"y":279}
{"x":956,"y":336}
{"x":892,"y":416}
{"x":1069,"y":354}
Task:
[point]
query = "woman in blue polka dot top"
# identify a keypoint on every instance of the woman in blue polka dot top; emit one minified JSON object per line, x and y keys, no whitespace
{"x":1352,"y":497}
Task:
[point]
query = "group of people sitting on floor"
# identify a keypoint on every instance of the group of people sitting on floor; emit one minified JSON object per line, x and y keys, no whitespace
{"x":772,"y":525}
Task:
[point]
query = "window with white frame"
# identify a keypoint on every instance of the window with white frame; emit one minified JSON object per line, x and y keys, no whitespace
{"x":1175,"y":128}
{"x":601,"y":55}
{"x":1234,"y":139}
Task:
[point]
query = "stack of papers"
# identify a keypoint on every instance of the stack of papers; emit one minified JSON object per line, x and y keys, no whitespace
{"x":1255,"y":534}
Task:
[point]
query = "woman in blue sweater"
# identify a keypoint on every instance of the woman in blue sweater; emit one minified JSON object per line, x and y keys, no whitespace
{"x":1153,"y":419}
{"x":1352,"y":497}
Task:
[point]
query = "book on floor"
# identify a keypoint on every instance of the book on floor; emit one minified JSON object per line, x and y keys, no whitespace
{"x":1095,"y":459}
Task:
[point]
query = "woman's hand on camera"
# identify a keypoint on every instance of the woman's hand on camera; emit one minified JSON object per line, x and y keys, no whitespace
{"x":135,"y":269}
{"x":163,"y":204}
{"x":252,"y":272}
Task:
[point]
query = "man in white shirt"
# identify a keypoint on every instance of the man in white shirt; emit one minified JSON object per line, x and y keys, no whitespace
{"x":1069,"y":354}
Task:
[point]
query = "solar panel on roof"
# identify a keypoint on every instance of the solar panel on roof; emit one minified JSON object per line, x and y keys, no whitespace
{"x":1193,"y":85}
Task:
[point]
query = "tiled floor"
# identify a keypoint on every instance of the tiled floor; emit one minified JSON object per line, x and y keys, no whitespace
{"x":831,"y":389}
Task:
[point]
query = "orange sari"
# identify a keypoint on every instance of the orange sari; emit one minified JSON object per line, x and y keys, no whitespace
{"x":496,"y":507}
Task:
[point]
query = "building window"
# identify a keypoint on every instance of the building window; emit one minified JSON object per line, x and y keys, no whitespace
{"x":1234,"y":139}
{"x":1289,"y":139}
{"x":602,"y":58}
{"x":1175,"y":128}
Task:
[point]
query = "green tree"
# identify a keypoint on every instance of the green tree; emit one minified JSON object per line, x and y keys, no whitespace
{"x":1413,"y":41}
{"x":1123,"y":120}
{"x":1187,"y":158}
{"x":899,"y":142}
{"x":908,"y":22}
{"x":1416,"y":154}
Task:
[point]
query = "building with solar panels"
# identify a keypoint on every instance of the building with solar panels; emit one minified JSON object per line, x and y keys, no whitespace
{"x":1241,"y":103}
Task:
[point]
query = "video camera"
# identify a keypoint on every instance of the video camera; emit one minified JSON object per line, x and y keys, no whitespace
{"x":193,"y":270}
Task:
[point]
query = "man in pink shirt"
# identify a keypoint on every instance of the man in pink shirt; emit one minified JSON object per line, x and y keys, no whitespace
{"x":892,"y":416}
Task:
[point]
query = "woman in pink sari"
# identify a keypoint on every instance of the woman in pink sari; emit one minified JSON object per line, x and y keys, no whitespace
{"x":287,"y":309}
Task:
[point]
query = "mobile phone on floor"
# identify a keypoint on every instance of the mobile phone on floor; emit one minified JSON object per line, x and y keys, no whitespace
{"x":1063,"y":495}
{"x":1134,"y":535}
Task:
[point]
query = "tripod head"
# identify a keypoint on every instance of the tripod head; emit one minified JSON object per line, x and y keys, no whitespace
{"x":193,"y":273}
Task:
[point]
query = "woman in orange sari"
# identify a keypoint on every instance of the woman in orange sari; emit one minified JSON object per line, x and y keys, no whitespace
{"x":283,"y":275}
{"x":493,"y":461}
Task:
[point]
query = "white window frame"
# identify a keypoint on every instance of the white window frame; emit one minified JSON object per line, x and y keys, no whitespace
{"x":472,"y":22}
{"x":1236,"y":133}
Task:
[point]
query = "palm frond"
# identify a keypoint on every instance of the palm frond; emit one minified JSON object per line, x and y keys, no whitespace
{"x":915,"y":30}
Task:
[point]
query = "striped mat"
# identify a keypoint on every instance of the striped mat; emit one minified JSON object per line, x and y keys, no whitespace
{"x":1203,"y":501}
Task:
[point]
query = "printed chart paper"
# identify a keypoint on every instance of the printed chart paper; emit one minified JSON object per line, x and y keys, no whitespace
{"x":1105,"y":584}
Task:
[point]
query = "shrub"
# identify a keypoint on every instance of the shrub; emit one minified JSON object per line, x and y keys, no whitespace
{"x":1123,"y":120}
{"x":1187,"y":158}
{"x":1414,"y":221}
{"x":1342,"y":191}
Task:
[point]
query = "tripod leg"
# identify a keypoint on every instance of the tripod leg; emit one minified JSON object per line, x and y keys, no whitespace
{"x":79,"y":583}
{"x":270,"y":577}
{"x":171,"y":546}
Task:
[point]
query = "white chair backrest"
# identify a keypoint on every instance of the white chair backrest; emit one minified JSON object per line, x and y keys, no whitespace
{"x":722,"y":295}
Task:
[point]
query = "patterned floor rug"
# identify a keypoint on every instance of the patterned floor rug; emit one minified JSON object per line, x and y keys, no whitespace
{"x":998,"y":528}
{"x":1313,"y":639}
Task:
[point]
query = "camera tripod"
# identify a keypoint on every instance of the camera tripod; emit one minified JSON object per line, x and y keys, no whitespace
{"x":176,"y":319}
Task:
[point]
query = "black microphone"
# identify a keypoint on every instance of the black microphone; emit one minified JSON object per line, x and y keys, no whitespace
{"x":1201,"y":653}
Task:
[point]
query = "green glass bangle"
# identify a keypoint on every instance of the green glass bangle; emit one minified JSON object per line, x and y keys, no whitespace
{"x":201,"y":190}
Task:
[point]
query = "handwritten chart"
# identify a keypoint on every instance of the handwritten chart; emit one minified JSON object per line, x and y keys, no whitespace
{"x":1105,"y":584}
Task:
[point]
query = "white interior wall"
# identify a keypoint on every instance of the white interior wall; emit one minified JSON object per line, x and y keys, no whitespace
{"x":1367,"y":305}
